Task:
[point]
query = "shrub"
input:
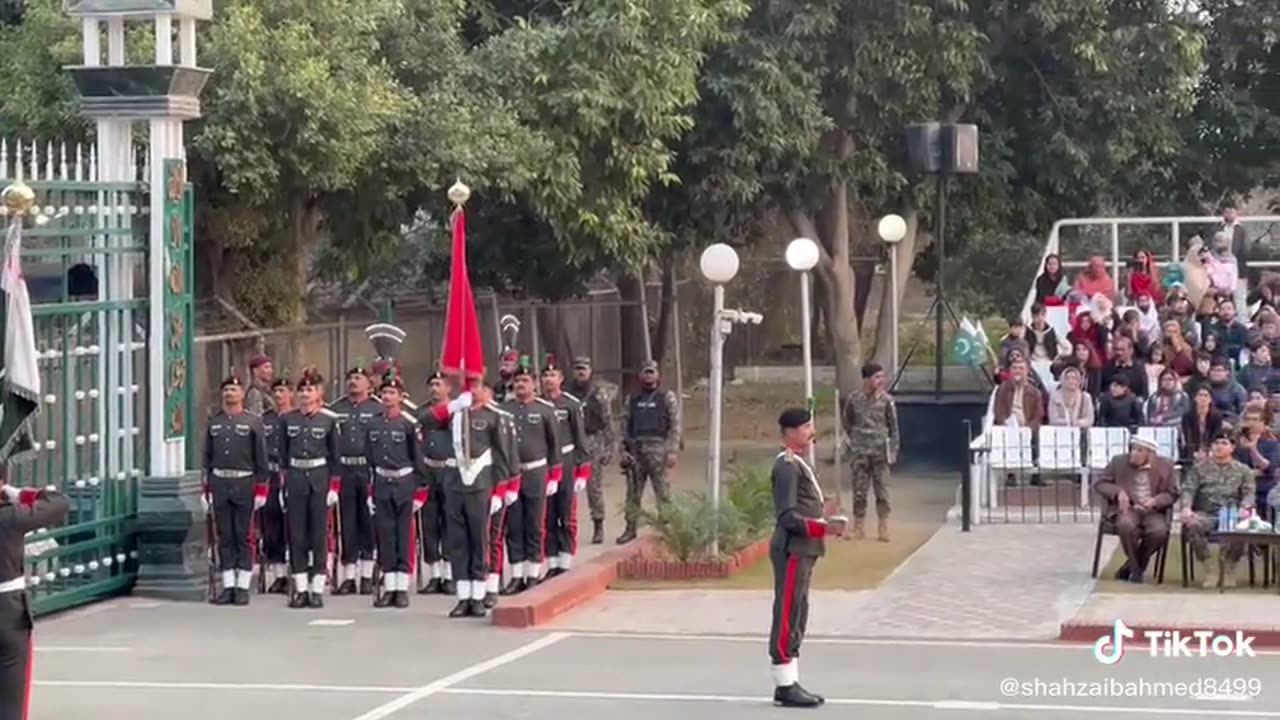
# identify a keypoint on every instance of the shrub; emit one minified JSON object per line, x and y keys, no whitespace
{"x":751,"y":492}
{"x":687,"y":525}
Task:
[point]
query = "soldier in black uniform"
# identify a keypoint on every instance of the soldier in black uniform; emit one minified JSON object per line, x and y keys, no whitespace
{"x":538,"y":461}
{"x":575,"y":463}
{"x":796,"y":545}
{"x":21,"y":511}
{"x":274,"y":540}
{"x":309,"y":449}
{"x":437,"y":439}
{"x":508,"y":364}
{"x":236,"y":477}
{"x":469,"y":488}
{"x":355,"y":412}
{"x":399,"y":490}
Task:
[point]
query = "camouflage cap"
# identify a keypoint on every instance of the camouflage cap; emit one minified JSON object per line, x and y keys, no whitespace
{"x":649,"y":365}
{"x":582,"y":362}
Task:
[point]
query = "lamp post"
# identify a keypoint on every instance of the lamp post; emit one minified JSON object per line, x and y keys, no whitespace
{"x":892,"y":229}
{"x":719,"y":264}
{"x":802,"y":256}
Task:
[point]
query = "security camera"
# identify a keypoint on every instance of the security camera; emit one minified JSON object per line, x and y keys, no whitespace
{"x":753,"y":318}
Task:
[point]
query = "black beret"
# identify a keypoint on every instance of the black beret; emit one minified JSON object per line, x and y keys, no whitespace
{"x":793,"y":418}
{"x":437,"y":375}
{"x":1224,"y":435}
{"x":231,"y":381}
{"x":870,"y":369}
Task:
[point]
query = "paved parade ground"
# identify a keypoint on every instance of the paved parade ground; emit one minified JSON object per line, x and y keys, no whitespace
{"x":136,"y":660}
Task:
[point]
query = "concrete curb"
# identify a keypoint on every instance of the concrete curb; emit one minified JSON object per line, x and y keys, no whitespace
{"x":1090,"y":632}
{"x":560,"y":595}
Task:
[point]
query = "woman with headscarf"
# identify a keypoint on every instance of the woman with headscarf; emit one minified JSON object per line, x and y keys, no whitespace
{"x":1168,"y":404}
{"x":1179,"y":356}
{"x":1195,"y":279}
{"x":1221,"y":267}
{"x":1085,"y":329}
{"x":1094,"y":280}
{"x":1083,"y":359}
{"x":1070,"y":405}
{"x":1051,"y":285}
{"x":1144,"y":278}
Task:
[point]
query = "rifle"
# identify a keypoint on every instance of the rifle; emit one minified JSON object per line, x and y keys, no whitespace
{"x":211,"y":537}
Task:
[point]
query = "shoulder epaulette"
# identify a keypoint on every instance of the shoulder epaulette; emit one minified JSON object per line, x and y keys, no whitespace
{"x":413,"y":419}
{"x":498,"y":410}
{"x":787,"y":456}
{"x":330,"y":413}
{"x":545,"y":401}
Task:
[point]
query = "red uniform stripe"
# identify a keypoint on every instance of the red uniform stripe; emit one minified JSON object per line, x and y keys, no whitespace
{"x":573,"y":525}
{"x":788,"y":601}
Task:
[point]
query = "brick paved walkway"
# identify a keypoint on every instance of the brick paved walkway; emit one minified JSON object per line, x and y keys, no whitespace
{"x":1182,"y":610}
{"x":997,"y":582}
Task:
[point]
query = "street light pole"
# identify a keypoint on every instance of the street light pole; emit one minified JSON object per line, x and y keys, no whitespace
{"x":802,"y":256}
{"x":719,"y":264}
{"x":892,"y":229}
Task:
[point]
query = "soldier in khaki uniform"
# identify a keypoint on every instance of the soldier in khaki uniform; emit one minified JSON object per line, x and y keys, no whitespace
{"x":598,"y":425}
{"x":1216,"y":482}
{"x":870,"y":422}
{"x":650,"y":440}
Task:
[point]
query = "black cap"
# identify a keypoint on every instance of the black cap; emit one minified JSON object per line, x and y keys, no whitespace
{"x":551,"y":365}
{"x":280,"y":382}
{"x":310,"y":377}
{"x":793,"y":418}
{"x":437,"y":375}
{"x":1224,"y":435}
{"x":392,"y":380}
{"x":870,"y":369}
{"x":358,"y":369}
{"x":232,"y":380}
{"x":523,"y":367}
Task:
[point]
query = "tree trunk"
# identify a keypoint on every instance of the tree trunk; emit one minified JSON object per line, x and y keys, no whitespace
{"x":553,"y":338}
{"x":631,"y":326}
{"x":662,"y":331}
{"x":304,"y":223}
{"x":906,"y":254}
{"x":842,"y":330}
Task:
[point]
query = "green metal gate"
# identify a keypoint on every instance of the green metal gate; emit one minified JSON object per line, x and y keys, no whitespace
{"x":85,"y":257}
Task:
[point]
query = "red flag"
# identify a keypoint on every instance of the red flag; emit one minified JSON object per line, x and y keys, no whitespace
{"x":463,"y":354}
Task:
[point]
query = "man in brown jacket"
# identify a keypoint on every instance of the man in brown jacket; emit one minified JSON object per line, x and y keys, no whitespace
{"x":1139,"y":488}
{"x":1019,"y":399}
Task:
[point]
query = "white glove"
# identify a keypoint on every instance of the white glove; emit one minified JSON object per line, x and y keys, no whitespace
{"x":418,"y":506}
{"x":579,"y":484}
{"x":205,"y":503}
{"x":369,"y":502}
{"x":553,"y":487}
{"x":282,"y":501}
{"x":331,"y":499}
{"x":462,"y":402}
{"x":510,"y":498}
{"x":495,"y":504}
{"x":12,"y":492}
{"x":259,"y":501}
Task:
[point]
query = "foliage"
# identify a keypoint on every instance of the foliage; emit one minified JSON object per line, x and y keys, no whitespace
{"x":39,"y":96}
{"x":687,"y":525}
{"x":751,"y":493}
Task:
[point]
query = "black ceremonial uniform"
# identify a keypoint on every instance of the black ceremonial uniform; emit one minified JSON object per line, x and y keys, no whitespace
{"x":796,"y":546}
{"x":538,"y":462}
{"x":393,"y":452}
{"x":34,"y":509}
{"x":235,"y":462}
{"x":357,"y":526}
{"x":309,"y":449}
{"x":562,"y":509}
{"x":274,"y":541}
{"x":437,"y":441}
{"x":468,"y":489}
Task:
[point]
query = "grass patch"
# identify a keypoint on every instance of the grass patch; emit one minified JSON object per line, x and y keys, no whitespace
{"x":1173,"y":575}
{"x":848,"y":565}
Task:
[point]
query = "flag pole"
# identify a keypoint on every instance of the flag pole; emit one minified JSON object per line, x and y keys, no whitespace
{"x":458,"y":195}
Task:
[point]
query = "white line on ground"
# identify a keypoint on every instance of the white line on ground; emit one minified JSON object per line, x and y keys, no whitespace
{"x":81,"y":649}
{"x":892,"y":642}
{"x":931,"y":704}
{"x":463,"y":675}
{"x":330,"y":623}
{"x":267,"y":687}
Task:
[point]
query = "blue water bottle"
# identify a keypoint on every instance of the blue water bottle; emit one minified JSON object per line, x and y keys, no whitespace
{"x":1233,"y":517}
{"x":1222,"y":518}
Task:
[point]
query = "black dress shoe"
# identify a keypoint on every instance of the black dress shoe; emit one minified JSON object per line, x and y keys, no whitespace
{"x":597,"y":535}
{"x":431,"y":588}
{"x":401,"y":599}
{"x":279,"y":587}
{"x":299,"y":601}
{"x":226,"y":597}
{"x":555,"y":572}
{"x":475,"y":608}
{"x":1136,"y":578}
{"x":241,"y":597}
{"x":366,"y":586}
{"x":348,"y":587}
{"x":316,"y":601}
{"x":819,"y":698}
{"x":447,"y":587}
{"x":490,"y":600}
{"x":1123,"y":572}
{"x":462,"y":609}
{"x":794,"y":696}
{"x":515,"y":587}
{"x":382,"y":599}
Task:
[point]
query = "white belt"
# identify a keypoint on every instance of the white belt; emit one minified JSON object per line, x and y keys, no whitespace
{"x":355,"y":460}
{"x":273,"y":466}
{"x":534,"y":465}
{"x":472,"y":469}
{"x":441,"y":463}
{"x":393,"y":473}
{"x":17,"y":584}
{"x":307,"y":463}
{"x":231,"y":474}
{"x":567,"y":449}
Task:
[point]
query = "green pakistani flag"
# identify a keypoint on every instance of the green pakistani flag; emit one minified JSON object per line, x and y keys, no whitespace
{"x":20,"y":374}
{"x":970,"y":346}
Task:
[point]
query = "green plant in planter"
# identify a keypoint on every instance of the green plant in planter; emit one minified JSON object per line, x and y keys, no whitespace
{"x":687,"y":525}
{"x":751,"y":492}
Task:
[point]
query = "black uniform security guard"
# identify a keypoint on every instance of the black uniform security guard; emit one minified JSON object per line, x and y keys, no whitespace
{"x":437,"y":440}
{"x":355,"y":412}
{"x":274,"y":540}
{"x":236,"y":476}
{"x":21,"y":511}
{"x":538,"y":456}
{"x":309,"y":449}
{"x":468,"y":490}
{"x":575,"y":463}
{"x":399,"y":488}
{"x":796,"y":546}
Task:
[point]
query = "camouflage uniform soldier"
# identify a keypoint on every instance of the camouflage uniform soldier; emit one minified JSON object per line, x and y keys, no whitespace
{"x":599,"y":428}
{"x":1214,"y":483}
{"x":259,"y":399}
{"x":650,"y":439}
{"x":871,"y":426}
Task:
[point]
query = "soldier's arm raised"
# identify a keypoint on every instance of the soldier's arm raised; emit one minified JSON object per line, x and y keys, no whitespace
{"x":31,"y":508}
{"x":786,"y":480}
{"x":673,"y":428}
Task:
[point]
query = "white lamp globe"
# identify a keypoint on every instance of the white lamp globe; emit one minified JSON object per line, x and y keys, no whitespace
{"x":892,"y":228}
{"x":719,"y":263}
{"x":802,"y":254}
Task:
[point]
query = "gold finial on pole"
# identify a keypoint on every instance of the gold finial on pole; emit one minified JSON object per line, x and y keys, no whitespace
{"x":18,"y":198}
{"x":459,"y":193}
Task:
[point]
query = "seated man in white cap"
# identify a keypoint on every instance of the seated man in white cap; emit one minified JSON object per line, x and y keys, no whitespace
{"x":1139,"y":486}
